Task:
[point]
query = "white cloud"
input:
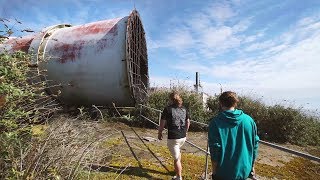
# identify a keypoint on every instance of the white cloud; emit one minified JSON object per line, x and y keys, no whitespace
{"x":199,"y":21}
{"x":205,"y":32}
{"x":179,"y":39}
{"x":306,"y":21}
{"x":260,"y":45}
{"x":242,"y":25}
{"x":220,"y":12}
{"x":286,"y":71}
{"x":213,"y":36}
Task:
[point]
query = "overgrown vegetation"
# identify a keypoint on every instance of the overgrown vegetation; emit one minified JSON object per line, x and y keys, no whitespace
{"x":275,"y":123}
{"x":22,"y":102}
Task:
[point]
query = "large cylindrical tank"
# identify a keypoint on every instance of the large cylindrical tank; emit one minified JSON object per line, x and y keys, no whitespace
{"x":98,"y":63}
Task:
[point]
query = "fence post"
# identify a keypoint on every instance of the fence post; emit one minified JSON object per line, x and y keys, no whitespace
{"x":207,"y":154}
{"x":159,"y":117}
{"x":140,"y":112}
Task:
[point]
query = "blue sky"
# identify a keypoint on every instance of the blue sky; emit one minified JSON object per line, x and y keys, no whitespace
{"x":267,"y":49}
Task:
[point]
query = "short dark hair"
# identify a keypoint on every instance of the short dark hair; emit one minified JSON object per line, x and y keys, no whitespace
{"x":228,"y":99}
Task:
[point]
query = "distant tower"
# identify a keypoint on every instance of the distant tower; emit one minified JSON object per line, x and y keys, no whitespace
{"x":197,"y":85}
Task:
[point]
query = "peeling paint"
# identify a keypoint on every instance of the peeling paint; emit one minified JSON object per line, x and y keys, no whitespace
{"x":72,"y":51}
{"x":20,"y":44}
{"x":97,"y":27}
{"x":69,"y":52}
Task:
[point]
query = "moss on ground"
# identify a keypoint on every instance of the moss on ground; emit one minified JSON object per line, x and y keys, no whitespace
{"x":298,"y":168}
{"x":153,"y":161}
{"x":144,"y":167}
{"x":112,"y":142}
{"x":194,"y":166}
{"x":39,"y":130}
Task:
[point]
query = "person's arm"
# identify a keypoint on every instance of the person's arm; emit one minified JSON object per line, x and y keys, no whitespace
{"x":162,"y":122}
{"x":161,"y":127}
{"x":256,"y":142}
{"x":255,"y":150}
{"x":256,"y":146}
{"x":187,"y":125}
{"x":214,"y":145}
{"x":187,"y":122}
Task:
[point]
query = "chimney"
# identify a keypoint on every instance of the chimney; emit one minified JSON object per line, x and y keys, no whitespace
{"x":197,"y":82}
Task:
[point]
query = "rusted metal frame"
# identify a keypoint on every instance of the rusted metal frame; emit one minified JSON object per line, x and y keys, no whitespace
{"x":137,"y":85}
{"x":301,"y":154}
{"x":150,"y":108}
{"x":207,"y":162}
{"x":199,"y":123}
{"x":128,"y":53}
{"x":142,"y":89}
{"x":144,"y":86}
{"x":137,"y":53}
{"x":194,"y":145}
{"x":149,"y":120}
{"x":135,"y":73}
{"x":135,"y":57}
{"x":140,"y":53}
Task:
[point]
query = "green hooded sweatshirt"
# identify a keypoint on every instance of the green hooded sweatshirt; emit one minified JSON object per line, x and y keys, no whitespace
{"x":233,"y":143}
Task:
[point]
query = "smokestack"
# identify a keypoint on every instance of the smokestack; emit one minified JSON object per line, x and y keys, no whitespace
{"x":197,"y":82}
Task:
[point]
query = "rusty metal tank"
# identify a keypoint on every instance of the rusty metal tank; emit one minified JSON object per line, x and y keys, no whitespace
{"x":98,"y":63}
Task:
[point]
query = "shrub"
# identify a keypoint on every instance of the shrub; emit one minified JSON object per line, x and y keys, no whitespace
{"x":278,"y":123}
{"x":21,"y":104}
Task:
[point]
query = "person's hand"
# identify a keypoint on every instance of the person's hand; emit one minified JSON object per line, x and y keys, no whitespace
{"x":252,"y":174}
{"x":253,"y":170}
{"x":160,"y":135}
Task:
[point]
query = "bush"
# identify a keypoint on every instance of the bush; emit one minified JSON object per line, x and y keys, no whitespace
{"x":21,"y":104}
{"x":278,"y":123}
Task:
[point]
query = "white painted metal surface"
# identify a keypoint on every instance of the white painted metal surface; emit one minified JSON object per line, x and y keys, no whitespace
{"x":89,"y":62}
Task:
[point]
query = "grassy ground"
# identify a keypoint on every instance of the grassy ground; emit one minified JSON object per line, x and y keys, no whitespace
{"x":128,"y":155}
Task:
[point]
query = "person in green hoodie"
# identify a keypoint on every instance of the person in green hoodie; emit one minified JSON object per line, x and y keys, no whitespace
{"x":233,"y":141}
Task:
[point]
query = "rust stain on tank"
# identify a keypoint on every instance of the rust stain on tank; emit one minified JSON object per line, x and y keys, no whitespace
{"x":95,"y":28}
{"x":108,"y":40}
{"x":104,"y":31}
{"x":20,"y":44}
{"x":69,"y":52}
